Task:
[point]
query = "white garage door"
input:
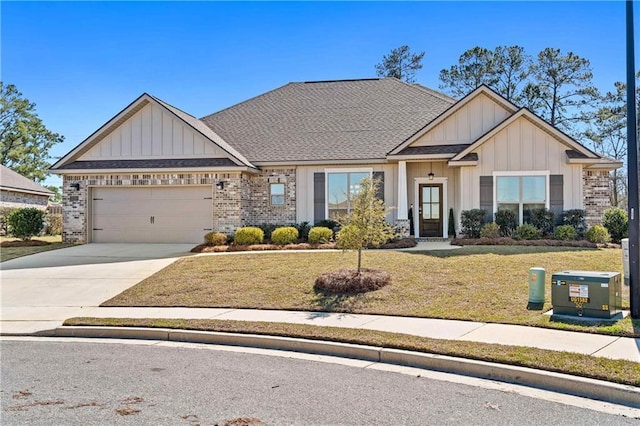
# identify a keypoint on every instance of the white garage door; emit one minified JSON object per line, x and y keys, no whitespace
{"x":151,"y":215}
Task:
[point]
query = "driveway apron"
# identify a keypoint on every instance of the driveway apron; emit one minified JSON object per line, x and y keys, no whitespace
{"x":40,"y":291}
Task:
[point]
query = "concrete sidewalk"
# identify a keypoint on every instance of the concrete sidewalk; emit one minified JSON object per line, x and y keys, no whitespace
{"x":557,"y":340}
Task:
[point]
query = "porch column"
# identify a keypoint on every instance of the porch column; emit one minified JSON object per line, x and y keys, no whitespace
{"x":402,"y":191}
{"x":402,"y":221}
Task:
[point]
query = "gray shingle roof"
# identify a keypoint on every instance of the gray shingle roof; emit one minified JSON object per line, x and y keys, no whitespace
{"x":434,"y":149}
{"x":14,"y":181}
{"x":334,"y":120}
{"x":149,"y":164}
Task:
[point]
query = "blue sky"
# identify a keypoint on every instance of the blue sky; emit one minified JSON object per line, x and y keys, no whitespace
{"x":82,"y":62}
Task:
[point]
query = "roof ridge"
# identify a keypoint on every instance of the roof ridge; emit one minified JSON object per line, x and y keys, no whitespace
{"x":429,"y":90}
{"x":342,"y":80}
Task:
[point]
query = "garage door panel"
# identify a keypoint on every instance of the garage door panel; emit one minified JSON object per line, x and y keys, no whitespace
{"x":180,"y":214}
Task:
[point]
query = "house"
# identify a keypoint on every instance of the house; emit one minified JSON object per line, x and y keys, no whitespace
{"x":154,"y":173}
{"x":16,"y":191}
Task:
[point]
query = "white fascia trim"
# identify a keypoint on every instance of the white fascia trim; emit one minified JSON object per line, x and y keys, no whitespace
{"x":462,"y":163}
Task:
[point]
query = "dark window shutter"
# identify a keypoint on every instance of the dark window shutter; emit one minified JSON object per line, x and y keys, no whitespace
{"x":380,"y":192}
{"x":486,"y":196}
{"x":318,"y":197}
{"x":556,"y":194}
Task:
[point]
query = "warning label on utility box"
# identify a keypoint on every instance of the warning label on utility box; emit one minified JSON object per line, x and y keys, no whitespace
{"x":579,"y":290}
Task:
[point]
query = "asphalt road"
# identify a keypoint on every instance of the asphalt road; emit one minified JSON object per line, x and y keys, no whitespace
{"x":68,"y":383}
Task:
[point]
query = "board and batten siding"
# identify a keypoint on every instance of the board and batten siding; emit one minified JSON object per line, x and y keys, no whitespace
{"x":467,"y":124}
{"x":305,"y":187}
{"x":440,"y":169}
{"x":153,"y":132}
{"x":521,"y":146}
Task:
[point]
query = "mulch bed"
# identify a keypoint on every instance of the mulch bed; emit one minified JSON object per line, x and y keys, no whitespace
{"x":205,"y":248}
{"x":350,"y":281}
{"x":513,"y":242}
{"x":29,"y":243}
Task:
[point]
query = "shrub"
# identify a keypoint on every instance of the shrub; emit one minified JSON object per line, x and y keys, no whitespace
{"x":303,"y":230}
{"x":53,"y":224}
{"x":248,"y":236}
{"x":507,"y":221}
{"x":215,"y":239}
{"x":565,"y":232}
{"x":527,"y":232}
{"x":284,"y":236}
{"x":25,"y":223}
{"x":320,"y":235}
{"x":4,"y":217}
{"x":575,"y":218}
{"x":471,"y":221}
{"x":617,"y":223}
{"x":328,"y":223}
{"x":268,"y":228}
{"x":451,"y":225}
{"x":490,"y":230}
{"x":543,"y":219}
{"x":597,"y":234}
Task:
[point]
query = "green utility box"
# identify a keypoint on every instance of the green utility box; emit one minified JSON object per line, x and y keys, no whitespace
{"x":586,"y":293}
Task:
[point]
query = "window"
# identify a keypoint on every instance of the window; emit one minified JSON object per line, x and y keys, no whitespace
{"x":341,"y":187}
{"x":277,"y":194}
{"x":521,"y":194}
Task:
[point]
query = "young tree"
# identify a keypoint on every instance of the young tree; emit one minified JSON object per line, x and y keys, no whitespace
{"x":401,"y":63}
{"x":475,"y":67}
{"x":365,"y":226}
{"x":562,"y":89}
{"x":24,"y":140}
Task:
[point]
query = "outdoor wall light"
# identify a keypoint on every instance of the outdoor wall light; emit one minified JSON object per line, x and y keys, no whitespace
{"x":431,"y":175}
{"x":76,"y":186}
{"x":220,"y":185}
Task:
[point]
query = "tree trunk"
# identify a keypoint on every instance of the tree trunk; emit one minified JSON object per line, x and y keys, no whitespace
{"x":359,"y":260}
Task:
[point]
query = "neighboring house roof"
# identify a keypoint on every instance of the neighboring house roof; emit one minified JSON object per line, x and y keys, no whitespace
{"x":328,"y":121}
{"x":13,"y":181}
{"x":131,"y":110}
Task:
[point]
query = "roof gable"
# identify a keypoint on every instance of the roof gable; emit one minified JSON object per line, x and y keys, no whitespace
{"x":149,"y":128}
{"x":13,"y":181}
{"x":524,"y":113}
{"x":463,"y":122}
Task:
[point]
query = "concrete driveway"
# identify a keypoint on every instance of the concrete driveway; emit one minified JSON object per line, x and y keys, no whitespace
{"x":40,"y":291}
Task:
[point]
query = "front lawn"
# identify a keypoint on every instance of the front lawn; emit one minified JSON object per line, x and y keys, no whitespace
{"x":477,"y":283}
{"x":19,"y":249}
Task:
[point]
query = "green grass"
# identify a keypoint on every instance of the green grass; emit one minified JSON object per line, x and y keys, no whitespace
{"x":487,"y":284}
{"x":619,"y":371}
{"x":8,"y":253}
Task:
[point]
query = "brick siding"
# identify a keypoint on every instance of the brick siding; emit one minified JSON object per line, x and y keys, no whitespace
{"x":20,"y":200}
{"x":596,"y":192}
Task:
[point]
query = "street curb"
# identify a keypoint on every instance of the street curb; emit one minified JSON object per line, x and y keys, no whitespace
{"x":558,"y":382}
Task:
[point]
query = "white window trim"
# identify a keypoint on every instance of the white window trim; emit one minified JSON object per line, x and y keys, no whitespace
{"x":284,"y":194}
{"x":524,"y":173}
{"x":340,"y":170}
{"x":445,"y":206}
